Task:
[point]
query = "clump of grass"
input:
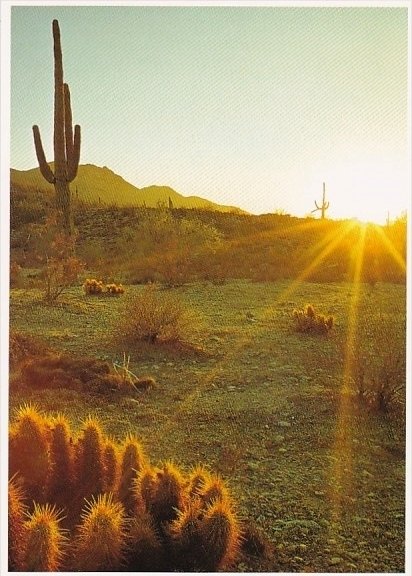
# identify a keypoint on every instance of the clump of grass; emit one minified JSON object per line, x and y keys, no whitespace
{"x":309,"y":321}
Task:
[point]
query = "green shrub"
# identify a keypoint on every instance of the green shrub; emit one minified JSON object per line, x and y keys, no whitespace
{"x":310,"y":322}
{"x":152,"y":518}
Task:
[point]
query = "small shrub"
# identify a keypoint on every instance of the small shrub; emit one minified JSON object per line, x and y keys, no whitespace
{"x":155,"y":315}
{"x":310,"y":322}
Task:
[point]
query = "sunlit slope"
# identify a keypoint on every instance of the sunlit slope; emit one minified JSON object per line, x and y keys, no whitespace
{"x":97,"y":185}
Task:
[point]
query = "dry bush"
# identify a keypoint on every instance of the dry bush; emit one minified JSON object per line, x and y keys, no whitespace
{"x":379,"y":364}
{"x":154,"y":315}
{"x":310,"y":322}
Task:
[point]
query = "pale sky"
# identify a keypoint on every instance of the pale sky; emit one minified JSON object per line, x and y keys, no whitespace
{"x":247,"y":106}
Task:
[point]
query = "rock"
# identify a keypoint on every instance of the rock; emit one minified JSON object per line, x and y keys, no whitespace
{"x":284,"y":424}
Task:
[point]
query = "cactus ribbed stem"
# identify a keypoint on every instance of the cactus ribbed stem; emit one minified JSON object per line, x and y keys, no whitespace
{"x":66,"y":147}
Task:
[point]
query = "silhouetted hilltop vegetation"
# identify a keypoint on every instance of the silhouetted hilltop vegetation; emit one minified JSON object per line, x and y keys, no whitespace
{"x":175,"y":246}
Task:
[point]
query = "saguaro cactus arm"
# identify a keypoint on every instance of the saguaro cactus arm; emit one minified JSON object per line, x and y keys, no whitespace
{"x":41,"y":158}
{"x":72,"y":143}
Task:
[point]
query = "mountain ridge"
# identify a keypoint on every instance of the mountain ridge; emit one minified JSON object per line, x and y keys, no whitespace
{"x":101,"y":185}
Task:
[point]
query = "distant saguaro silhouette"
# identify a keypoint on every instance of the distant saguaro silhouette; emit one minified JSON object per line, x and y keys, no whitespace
{"x":324,"y":206}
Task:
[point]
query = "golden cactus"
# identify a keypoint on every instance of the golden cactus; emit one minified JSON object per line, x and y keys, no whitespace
{"x":61,"y":483}
{"x":43,"y":541}
{"x":16,"y":517}
{"x":132,"y":462}
{"x":29,"y":450}
{"x":101,"y":539}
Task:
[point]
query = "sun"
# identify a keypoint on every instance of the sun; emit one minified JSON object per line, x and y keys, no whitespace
{"x":367,"y":189}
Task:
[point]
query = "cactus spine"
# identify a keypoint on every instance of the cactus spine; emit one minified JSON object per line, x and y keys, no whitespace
{"x":66,"y":144}
{"x":324,"y":206}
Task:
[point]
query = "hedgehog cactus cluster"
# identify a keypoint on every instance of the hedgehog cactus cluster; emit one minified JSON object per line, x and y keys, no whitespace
{"x":66,"y":142}
{"x":309,"y":321}
{"x":115,"y":289}
{"x":116,"y":511}
{"x":92,"y":286}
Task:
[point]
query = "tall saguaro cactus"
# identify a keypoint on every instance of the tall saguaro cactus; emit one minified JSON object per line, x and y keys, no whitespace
{"x":66,"y":144}
{"x":324,"y":206}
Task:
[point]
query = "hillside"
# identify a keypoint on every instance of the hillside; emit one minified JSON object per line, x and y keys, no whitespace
{"x":96,"y":185}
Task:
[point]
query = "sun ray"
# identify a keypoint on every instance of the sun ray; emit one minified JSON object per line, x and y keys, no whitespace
{"x":325,"y":247}
{"x":398,"y":258}
{"x":342,"y":472}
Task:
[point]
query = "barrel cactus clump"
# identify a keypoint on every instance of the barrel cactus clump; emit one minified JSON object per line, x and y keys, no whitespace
{"x":116,"y":511}
{"x":114,"y":289}
{"x":310,"y":322}
{"x":92,"y":286}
